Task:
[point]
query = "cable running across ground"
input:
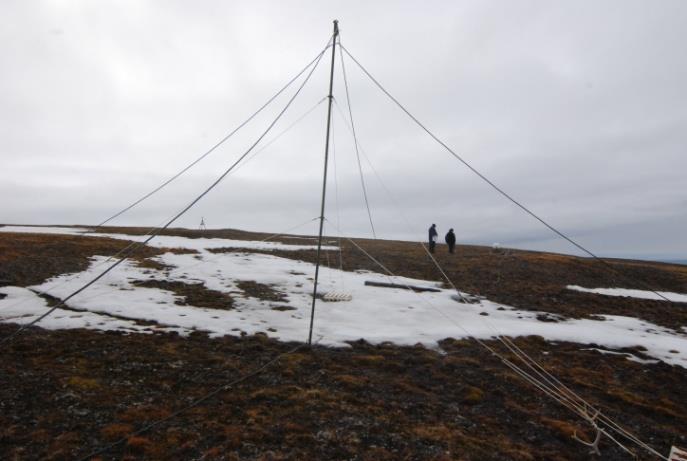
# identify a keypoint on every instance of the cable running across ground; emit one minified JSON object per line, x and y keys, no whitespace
{"x":492,"y":184}
{"x":567,"y":399}
{"x":565,"y":396}
{"x":556,"y":382}
{"x":178,"y":215}
{"x":585,"y":407}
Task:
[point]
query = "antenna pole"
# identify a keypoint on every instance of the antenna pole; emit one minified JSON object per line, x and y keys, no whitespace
{"x":324,"y":180}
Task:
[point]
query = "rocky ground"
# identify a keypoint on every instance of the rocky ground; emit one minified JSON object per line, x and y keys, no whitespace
{"x":66,"y":394}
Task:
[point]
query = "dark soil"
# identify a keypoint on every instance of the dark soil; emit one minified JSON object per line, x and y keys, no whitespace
{"x":64,"y":394}
{"x":191,"y":294}
{"x":261,"y":291}
{"x":29,"y":259}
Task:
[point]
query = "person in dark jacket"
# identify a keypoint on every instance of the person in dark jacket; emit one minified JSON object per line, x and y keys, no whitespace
{"x":450,"y":240}
{"x":433,"y":235}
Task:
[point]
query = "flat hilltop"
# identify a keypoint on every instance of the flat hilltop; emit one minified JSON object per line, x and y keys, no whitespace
{"x":195,"y":350}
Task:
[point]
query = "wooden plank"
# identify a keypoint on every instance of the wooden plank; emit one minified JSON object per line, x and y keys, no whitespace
{"x":396,"y":285}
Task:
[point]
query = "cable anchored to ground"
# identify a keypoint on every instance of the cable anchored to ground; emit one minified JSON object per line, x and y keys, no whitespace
{"x":490,"y":182}
{"x":178,"y":215}
{"x":562,"y":393}
{"x":541,"y":379}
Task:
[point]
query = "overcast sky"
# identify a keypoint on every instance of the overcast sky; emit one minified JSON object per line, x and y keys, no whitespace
{"x":575,"y":108}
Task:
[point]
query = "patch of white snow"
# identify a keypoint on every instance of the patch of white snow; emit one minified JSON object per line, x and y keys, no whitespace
{"x":628,"y":293}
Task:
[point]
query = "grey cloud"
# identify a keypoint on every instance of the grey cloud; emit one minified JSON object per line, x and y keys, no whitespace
{"x":575,"y":108}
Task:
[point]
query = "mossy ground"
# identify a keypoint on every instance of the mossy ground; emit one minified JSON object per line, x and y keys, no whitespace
{"x":63,"y":394}
{"x":66,"y":393}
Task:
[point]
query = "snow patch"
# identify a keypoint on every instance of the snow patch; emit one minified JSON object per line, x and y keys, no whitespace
{"x":630,"y":357}
{"x":21,"y":306}
{"x":628,"y":293}
{"x":374,"y":314}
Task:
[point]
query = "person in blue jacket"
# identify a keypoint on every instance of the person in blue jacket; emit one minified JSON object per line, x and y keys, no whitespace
{"x":433,"y":235}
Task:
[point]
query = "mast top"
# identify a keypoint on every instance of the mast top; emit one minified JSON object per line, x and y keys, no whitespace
{"x":336,"y":27}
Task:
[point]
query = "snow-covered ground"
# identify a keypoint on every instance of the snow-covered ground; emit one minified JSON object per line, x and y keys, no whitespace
{"x":23,"y":305}
{"x":625,"y":292}
{"x":375,"y":314}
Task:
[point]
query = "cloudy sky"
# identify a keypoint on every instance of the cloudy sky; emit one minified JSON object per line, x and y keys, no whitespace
{"x":575,"y":108}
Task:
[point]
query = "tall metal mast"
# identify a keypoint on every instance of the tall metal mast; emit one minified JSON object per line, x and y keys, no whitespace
{"x":324,"y":180}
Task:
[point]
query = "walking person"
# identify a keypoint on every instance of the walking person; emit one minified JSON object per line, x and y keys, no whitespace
{"x":433,"y":235}
{"x":450,"y":240}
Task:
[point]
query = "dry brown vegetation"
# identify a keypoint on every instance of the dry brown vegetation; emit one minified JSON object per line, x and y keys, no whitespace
{"x":261,"y":291}
{"x":28,"y":259}
{"x":63,"y":394}
{"x":191,"y":294}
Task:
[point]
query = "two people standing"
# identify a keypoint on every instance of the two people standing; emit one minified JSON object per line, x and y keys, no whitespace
{"x":434,"y":235}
